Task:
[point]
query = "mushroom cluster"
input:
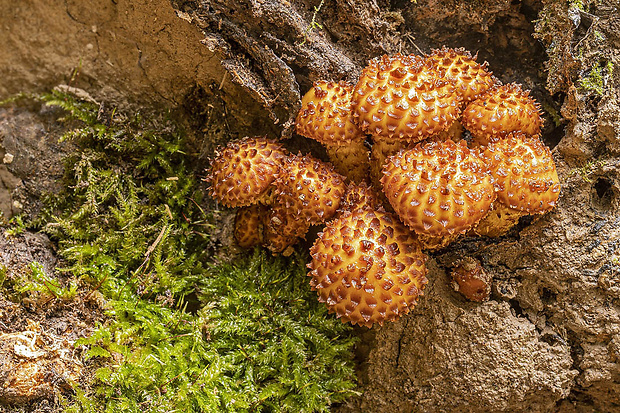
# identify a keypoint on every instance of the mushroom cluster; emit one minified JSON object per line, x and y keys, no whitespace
{"x":425,"y":149}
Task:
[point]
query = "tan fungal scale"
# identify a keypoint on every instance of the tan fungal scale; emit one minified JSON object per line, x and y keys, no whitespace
{"x":249,"y":225}
{"x":241,"y":173}
{"x":460,"y":67}
{"x":500,"y":111}
{"x":325,"y":114}
{"x":367,"y":267}
{"x":525,"y":174}
{"x":310,"y":188}
{"x":438,"y":188}
{"x":403,"y":98}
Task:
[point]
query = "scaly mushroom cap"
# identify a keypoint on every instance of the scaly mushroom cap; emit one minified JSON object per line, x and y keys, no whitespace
{"x":367,"y":267}
{"x":311,"y":188}
{"x":359,"y":196}
{"x":458,"y":65}
{"x":249,"y":225}
{"x":438,"y":188}
{"x":325,"y":114}
{"x":525,"y":175}
{"x":282,"y":229}
{"x":242,"y":172}
{"x":500,"y":111}
{"x":403,"y":98}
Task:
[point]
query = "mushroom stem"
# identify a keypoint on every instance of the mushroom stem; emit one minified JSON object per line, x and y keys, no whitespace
{"x":380,"y":152}
{"x":351,"y":160}
{"x":498,"y":221}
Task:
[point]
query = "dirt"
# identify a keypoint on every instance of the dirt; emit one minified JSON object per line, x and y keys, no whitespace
{"x":549,"y":338}
{"x":38,"y":358}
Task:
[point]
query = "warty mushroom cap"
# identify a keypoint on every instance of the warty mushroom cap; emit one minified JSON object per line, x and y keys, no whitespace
{"x":359,"y":196}
{"x":282,"y":229}
{"x":403,"y":98}
{"x":458,"y":65}
{"x":243,"y":171}
{"x":249,"y":225}
{"x":525,"y":175}
{"x":325,"y":114}
{"x":310,"y":188}
{"x":367,"y":267}
{"x":438,"y":188}
{"x":500,"y":111}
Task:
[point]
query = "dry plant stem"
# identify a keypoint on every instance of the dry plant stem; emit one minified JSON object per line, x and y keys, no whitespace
{"x":351,"y":160}
{"x":498,"y":221}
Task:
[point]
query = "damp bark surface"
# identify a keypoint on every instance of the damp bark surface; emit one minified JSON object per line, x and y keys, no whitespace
{"x":549,"y":337}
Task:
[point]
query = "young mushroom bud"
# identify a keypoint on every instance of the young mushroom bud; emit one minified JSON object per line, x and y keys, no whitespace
{"x":526,"y":181}
{"x":470,"y":279}
{"x":367,"y":267}
{"x":241,"y":174}
{"x":249,"y":225}
{"x":325,"y":116}
{"x":438,"y":189}
{"x":282,"y":230}
{"x":500,"y":111}
{"x":311,"y":189}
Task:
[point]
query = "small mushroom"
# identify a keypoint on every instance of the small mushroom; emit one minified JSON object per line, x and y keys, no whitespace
{"x":470,"y":279}
{"x":241,"y":174}
{"x":367,"y":267}
{"x":438,"y":189}
{"x":249,"y":225}
{"x":403,"y":98}
{"x":325,"y":116}
{"x":526,"y":181}
{"x":310,"y":188}
{"x":282,"y":230}
{"x":458,"y":65}
{"x":500,"y":111}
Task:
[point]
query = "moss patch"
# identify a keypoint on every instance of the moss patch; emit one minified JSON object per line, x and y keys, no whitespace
{"x":183,"y":332}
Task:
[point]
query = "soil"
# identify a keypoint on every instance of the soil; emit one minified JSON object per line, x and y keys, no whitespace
{"x":549,"y":338}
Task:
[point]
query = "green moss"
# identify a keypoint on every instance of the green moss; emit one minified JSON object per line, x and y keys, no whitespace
{"x":594,"y":81}
{"x":129,"y":225}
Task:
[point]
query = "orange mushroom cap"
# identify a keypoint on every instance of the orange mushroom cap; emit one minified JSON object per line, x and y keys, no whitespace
{"x":249,"y":225}
{"x":310,"y":188}
{"x":242,"y":172}
{"x":438,"y":188}
{"x":367,"y":267}
{"x":282,"y":229}
{"x":500,"y":111}
{"x":525,"y":174}
{"x":325,"y":114}
{"x":403,"y":98}
{"x":359,"y":196}
{"x":459,"y":66}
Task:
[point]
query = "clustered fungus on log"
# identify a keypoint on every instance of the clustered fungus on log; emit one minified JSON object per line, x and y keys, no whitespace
{"x":424,"y":182}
